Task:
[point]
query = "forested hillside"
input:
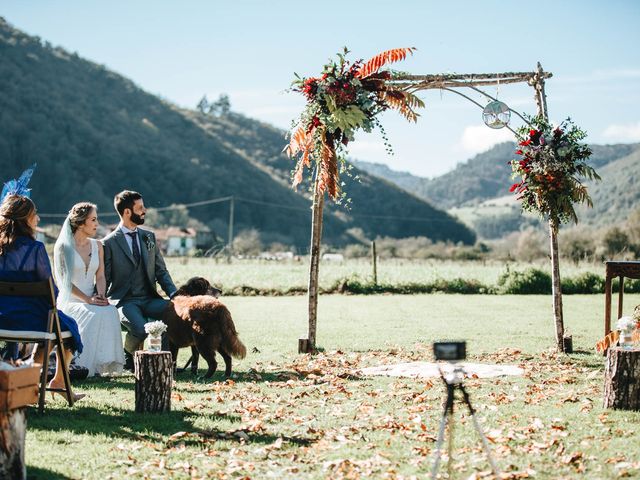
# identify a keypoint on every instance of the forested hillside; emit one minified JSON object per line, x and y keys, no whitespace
{"x":92,"y":133}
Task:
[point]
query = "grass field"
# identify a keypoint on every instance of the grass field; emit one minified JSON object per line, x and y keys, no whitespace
{"x":288,"y":274}
{"x":286,"y":415}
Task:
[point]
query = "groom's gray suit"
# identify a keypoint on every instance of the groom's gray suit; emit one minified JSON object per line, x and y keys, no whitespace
{"x":131,"y":285}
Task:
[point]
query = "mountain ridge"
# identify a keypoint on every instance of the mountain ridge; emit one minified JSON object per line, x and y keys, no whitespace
{"x":94,"y":132}
{"x":487,"y":176}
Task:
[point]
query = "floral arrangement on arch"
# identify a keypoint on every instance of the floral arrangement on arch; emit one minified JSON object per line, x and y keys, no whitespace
{"x":550,"y":168}
{"x":345,"y":98}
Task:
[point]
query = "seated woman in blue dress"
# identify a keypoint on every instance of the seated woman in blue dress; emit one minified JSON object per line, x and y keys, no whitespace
{"x":23,"y":259}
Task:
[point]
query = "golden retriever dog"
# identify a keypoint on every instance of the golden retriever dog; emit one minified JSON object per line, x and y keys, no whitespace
{"x":196,"y":318}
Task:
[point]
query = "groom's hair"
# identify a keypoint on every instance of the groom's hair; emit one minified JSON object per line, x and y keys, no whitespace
{"x":125,"y":199}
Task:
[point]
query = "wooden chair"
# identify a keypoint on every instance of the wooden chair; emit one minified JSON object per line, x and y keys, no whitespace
{"x":45,"y":289}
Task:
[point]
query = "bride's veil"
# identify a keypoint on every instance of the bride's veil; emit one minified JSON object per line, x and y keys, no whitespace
{"x":63,"y":263}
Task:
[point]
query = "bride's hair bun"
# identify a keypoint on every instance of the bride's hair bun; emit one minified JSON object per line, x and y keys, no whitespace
{"x":79,"y":214}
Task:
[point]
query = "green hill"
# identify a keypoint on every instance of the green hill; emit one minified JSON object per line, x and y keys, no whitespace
{"x":617,"y":194}
{"x":378,"y":207}
{"x":93,"y":133}
{"x":483,"y":177}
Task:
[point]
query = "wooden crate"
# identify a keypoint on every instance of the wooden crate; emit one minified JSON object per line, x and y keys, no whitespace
{"x":19,"y":387}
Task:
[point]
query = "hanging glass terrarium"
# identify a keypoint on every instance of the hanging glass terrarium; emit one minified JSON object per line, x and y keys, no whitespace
{"x":496,"y":114}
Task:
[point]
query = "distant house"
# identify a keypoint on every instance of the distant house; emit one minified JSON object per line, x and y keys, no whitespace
{"x":176,"y":241}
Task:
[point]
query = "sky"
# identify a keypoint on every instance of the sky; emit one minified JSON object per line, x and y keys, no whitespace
{"x":250,"y":49}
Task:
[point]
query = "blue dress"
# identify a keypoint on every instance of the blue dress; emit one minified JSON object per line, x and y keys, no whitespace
{"x":28,"y":261}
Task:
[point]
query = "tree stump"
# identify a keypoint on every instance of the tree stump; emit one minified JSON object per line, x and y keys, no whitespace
{"x":622,"y":379}
{"x":154,"y":377}
{"x":13,"y":427}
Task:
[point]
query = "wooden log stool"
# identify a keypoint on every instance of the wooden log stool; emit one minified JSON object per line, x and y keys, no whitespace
{"x":622,"y":379}
{"x":18,"y":388}
{"x":154,"y":377}
{"x":13,"y":428}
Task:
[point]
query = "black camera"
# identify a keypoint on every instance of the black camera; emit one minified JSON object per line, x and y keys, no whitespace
{"x":450,"y":351}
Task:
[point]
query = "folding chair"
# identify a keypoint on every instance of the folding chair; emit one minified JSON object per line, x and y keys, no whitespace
{"x":42,"y":288}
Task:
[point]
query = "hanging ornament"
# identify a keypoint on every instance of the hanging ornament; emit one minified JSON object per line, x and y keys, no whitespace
{"x":496,"y":114}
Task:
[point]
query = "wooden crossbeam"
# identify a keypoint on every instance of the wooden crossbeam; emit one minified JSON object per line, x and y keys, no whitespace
{"x":453,"y":80}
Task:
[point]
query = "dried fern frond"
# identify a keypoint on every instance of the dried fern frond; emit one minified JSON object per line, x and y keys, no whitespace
{"x":297,"y":142}
{"x":301,"y":141}
{"x":404,"y":102}
{"x":390,"y":56}
{"x":328,"y":173}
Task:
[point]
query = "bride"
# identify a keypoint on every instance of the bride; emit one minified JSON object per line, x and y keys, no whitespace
{"x":79,"y":272}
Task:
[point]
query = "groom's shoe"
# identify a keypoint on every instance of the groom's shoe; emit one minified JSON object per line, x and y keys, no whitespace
{"x":128,"y":361}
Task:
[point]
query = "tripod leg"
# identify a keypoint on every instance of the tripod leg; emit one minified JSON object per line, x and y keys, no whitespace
{"x":446,"y":415}
{"x":476,"y":424}
{"x":450,"y":446}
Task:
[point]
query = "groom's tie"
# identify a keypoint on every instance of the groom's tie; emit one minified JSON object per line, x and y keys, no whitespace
{"x":134,"y":246}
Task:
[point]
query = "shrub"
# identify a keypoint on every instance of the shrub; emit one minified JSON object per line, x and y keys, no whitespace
{"x":582,"y":284}
{"x":529,"y":282}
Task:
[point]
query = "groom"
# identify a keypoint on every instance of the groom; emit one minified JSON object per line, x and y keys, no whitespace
{"x":133,"y":264}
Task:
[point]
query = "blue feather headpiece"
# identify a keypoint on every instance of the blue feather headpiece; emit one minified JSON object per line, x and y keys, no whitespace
{"x":19,"y":186}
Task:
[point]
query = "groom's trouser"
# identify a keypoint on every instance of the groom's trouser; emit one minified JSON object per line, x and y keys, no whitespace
{"x":134,"y":313}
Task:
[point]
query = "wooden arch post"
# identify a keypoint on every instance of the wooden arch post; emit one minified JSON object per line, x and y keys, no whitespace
{"x":308,"y":345}
{"x":556,"y":287}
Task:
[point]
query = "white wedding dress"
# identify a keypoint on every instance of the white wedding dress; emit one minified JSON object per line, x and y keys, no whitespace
{"x":99,"y":326}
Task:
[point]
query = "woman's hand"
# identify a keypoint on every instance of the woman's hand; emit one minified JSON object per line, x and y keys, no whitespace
{"x":99,"y":300}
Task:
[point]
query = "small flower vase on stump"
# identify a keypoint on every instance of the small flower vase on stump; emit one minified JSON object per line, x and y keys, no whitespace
{"x":154,"y":331}
{"x":155,"y":342}
{"x":626,"y":326}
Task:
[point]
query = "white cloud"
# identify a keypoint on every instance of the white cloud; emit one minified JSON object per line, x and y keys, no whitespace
{"x":629,"y":132}
{"x":479,"y":138}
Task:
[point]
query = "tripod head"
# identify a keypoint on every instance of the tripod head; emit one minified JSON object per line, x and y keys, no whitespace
{"x":453,"y":377}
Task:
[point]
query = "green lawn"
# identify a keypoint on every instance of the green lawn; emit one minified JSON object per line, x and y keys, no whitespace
{"x":286,"y":415}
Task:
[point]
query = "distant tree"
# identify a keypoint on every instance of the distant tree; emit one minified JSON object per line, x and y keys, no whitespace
{"x":531,"y":246}
{"x":247,"y":242}
{"x":615,"y":242}
{"x":220,"y":107}
{"x":578,"y":245}
{"x":203,"y":105}
{"x":633,"y":230}
{"x":176,"y":216}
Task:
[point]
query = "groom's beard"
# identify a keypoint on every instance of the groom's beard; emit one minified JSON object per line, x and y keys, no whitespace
{"x":137,"y":219}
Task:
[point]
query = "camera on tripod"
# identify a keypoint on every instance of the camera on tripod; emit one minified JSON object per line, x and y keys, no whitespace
{"x":450,"y":351}
{"x":455,"y":351}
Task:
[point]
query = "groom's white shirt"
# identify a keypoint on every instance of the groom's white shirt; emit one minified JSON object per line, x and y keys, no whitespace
{"x":128,"y":238}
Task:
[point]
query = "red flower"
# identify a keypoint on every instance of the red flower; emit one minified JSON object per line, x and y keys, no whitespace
{"x":532,"y":132}
{"x":524,"y":143}
{"x":519,"y":152}
{"x":514,"y":186}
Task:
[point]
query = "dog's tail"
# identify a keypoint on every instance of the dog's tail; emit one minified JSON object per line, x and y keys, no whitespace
{"x":230,"y":340}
